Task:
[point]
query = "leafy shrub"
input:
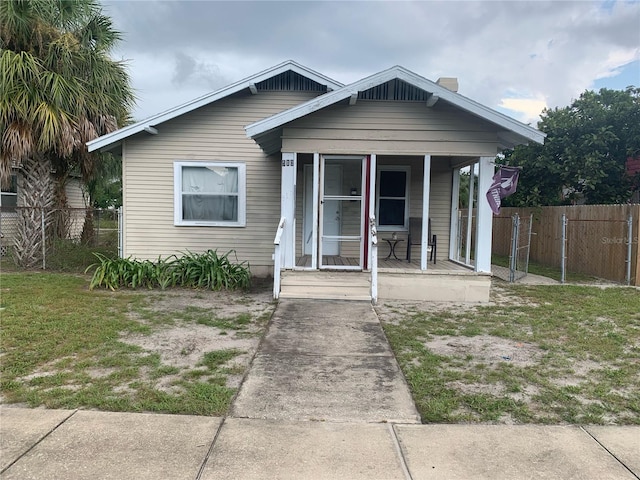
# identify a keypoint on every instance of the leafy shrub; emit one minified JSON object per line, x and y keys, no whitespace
{"x":195,"y":270}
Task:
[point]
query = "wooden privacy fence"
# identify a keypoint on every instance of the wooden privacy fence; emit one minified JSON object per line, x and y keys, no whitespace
{"x":596,"y":238}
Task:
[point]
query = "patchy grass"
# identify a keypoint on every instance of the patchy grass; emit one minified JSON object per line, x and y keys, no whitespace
{"x":535,"y":354}
{"x":64,"y":346}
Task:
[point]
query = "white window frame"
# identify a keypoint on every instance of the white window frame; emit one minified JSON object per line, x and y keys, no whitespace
{"x":177,"y":194}
{"x":396,"y":168}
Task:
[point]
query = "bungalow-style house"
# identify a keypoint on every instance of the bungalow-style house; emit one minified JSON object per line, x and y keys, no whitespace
{"x":339,"y":191}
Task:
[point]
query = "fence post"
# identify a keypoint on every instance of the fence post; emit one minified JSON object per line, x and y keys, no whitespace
{"x":629,"y":244}
{"x":526,"y":271}
{"x":44,"y":238}
{"x":513,"y":256}
{"x":120,"y":234}
{"x":96,"y":240}
{"x":563,"y":247}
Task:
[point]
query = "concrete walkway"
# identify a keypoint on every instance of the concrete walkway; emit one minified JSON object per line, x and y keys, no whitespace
{"x":325,"y":360}
{"x":324,"y":399}
{"x":77,"y":445}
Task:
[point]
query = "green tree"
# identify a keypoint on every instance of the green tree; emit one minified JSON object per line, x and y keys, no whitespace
{"x":583,"y":157}
{"x":59,"y":90}
{"x":105,"y":189}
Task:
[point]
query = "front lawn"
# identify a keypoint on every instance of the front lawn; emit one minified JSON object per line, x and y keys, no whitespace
{"x":535,"y":354}
{"x":175,"y":351}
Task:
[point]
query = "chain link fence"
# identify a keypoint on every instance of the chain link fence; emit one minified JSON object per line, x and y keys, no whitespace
{"x":597,"y":245}
{"x":574,"y":243}
{"x":36,"y":237}
{"x":510,"y":259}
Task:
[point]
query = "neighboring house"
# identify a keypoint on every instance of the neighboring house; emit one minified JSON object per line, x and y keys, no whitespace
{"x":289,"y":143}
{"x":12,"y":197}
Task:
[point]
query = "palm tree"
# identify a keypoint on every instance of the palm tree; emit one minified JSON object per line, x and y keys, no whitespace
{"x":59,"y":89}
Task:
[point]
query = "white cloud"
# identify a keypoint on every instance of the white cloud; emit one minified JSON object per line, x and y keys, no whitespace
{"x":503,"y":53}
{"x":527,"y":110}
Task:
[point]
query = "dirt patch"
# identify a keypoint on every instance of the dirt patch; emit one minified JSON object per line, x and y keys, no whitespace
{"x":183,"y":346}
{"x":486,"y":349}
{"x":187,"y":331}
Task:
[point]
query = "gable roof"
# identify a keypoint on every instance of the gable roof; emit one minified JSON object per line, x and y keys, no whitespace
{"x":514,"y":131}
{"x":113,"y":139}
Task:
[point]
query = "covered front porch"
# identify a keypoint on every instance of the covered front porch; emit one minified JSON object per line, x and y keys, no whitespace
{"x":389,"y":162}
{"x":365,"y":213}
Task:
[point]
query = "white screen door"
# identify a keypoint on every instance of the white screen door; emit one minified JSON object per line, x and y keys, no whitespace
{"x":341,"y":213}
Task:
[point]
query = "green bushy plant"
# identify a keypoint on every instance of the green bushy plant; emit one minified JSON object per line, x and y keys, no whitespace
{"x":195,"y":270}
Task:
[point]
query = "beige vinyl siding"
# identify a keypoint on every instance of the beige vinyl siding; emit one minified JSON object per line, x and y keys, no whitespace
{"x":76,"y":201}
{"x":214,"y":133}
{"x":386,"y":127}
{"x":75,"y":195}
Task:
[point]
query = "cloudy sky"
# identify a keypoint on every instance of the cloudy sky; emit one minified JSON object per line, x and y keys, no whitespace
{"x":514,"y":56}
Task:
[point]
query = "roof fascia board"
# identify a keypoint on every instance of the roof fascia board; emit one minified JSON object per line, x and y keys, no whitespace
{"x":121,"y":134}
{"x":401,"y":73}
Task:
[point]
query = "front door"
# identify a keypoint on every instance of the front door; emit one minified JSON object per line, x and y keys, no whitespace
{"x":341,"y":229}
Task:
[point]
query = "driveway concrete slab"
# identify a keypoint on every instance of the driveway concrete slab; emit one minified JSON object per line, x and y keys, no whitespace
{"x":325,"y":360}
{"x":22,"y":428}
{"x":505,"y":452}
{"x":623,"y":442}
{"x":250,"y":449}
{"x":105,"y":445}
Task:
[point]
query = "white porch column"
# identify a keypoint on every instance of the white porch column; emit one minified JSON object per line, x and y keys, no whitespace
{"x":372,"y":200}
{"x":426,"y":191}
{"x":316,"y":199}
{"x":484,"y":220}
{"x":288,"y":208}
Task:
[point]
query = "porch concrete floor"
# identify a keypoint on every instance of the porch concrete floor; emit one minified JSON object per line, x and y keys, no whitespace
{"x":391,"y":263}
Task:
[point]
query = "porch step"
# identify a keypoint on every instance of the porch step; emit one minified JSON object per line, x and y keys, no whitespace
{"x":326,"y":285}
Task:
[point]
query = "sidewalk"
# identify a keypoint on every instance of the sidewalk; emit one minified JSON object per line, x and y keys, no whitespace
{"x":77,"y":445}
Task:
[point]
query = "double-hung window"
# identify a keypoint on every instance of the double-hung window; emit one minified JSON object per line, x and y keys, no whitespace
{"x":210,"y":194}
{"x":393,"y":197}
